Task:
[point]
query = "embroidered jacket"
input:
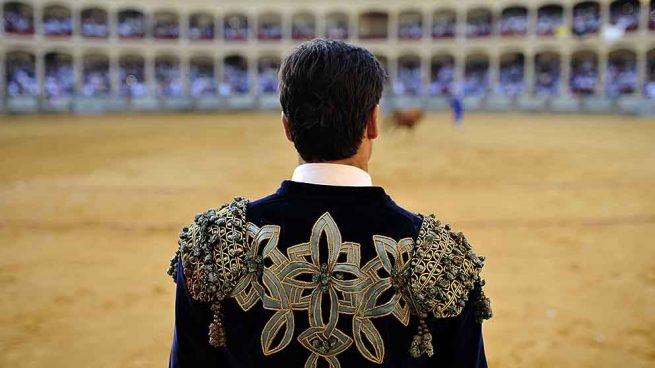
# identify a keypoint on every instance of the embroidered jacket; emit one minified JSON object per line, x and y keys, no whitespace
{"x":319,"y":275}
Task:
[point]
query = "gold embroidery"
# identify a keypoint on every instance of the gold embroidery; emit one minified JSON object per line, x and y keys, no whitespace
{"x":225,"y":256}
{"x":315,"y":271}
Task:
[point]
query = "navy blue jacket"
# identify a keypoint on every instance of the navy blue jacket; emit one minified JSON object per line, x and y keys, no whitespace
{"x":355,"y":214}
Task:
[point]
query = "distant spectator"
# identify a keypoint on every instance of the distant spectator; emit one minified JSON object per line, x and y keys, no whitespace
{"x":586,"y":19}
{"x":443,"y":77}
{"x":549,"y":19}
{"x":547,"y":76}
{"x":410,"y":27}
{"x":621,"y":77}
{"x":168,"y":78}
{"x":269,"y":29}
{"x":18,"y":18}
{"x":95,"y":79}
{"x":476,"y":79}
{"x":514,"y":22}
{"x":132,"y":77}
{"x":625,"y":14}
{"x":510,"y":81}
{"x":202,"y":82}
{"x":267,"y":78}
{"x":479,"y":24}
{"x":584,"y":76}
{"x":131,"y":24}
{"x":236,"y":28}
{"x":166,"y":27}
{"x":337,"y":28}
{"x":444,"y":25}
{"x":94,"y":23}
{"x":235,"y":79}
{"x":59,"y":78}
{"x":57,"y":21}
{"x":303,"y":28}
{"x":409,"y":81}
{"x":201,"y":27}
{"x":21,"y":76}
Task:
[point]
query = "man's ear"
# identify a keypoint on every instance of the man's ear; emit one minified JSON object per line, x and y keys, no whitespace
{"x":372,"y":128}
{"x":287,"y":132}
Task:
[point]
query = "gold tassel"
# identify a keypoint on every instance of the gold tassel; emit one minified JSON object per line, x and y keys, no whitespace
{"x":216,"y":330}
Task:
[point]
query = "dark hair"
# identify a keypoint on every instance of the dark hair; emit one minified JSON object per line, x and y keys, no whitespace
{"x":327,"y":91}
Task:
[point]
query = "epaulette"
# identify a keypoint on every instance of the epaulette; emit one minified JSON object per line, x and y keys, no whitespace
{"x":442,"y":272}
{"x":214,"y":257}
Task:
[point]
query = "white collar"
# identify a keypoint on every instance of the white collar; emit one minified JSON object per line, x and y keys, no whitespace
{"x":332,"y":174}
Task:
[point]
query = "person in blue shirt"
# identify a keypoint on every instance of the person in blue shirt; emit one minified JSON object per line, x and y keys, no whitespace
{"x":328,"y":270}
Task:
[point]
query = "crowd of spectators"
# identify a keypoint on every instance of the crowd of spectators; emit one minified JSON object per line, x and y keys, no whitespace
{"x":444,"y":26}
{"x":236,"y":28}
{"x":510,"y":77}
{"x":480,"y":25}
{"x":549,"y":19}
{"x":476,"y":78}
{"x":337,"y":28}
{"x":235,"y":78}
{"x":132,"y":78}
{"x":131,"y":24}
{"x":409,"y":81}
{"x":514,"y":22}
{"x":168,"y":78}
{"x":202,"y":81}
{"x":59,"y":80}
{"x":547,"y":76}
{"x":57,"y":23}
{"x":94,"y":24}
{"x":18,"y":19}
{"x":410,"y":27}
{"x":21,"y":76}
{"x":621,"y":77}
{"x":267,"y":79}
{"x":625,"y":14}
{"x":586,"y":19}
{"x":303,"y":28}
{"x":201,"y":27}
{"x":166,"y":28}
{"x":584,"y":76}
{"x":269,"y":29}
{"x":95,"y":79}
{"x":443,"y":77}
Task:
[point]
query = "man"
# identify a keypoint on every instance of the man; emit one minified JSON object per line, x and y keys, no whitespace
{"x":328,"y":270}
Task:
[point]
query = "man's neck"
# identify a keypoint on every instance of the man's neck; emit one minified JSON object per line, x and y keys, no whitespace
{"x":350,"y":161}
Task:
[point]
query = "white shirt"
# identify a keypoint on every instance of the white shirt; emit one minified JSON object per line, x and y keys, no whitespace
{"x":332,"y":174}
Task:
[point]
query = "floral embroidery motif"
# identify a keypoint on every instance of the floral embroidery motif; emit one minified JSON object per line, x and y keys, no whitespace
{"x":325,"y":271}
{"x":225,"y":256}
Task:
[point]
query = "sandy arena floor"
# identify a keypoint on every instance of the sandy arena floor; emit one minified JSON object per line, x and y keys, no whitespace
{"x":562,"y":206}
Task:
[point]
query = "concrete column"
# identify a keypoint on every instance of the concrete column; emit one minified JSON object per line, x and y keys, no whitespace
{"x":528,"y":76}
{"x":426,"y":65}
{"x":460,"y":24}
{"x":218,"y":69}
{"x":114,"y":75}
{"x":392,"y":33}
{"x":3,"y":76}
{"x":460,"y":65}
{"x":494,"y":72}
{"x":184,"y":27}
{"x":644,"y":11}
{"x":392,"y":64}
{"x":38,"y":18}
{"x":567,"y":16}
{"x":602,"y":72}
{"x":185,"y":74}
{"x":149,"y":73}
{"x":565,"y":73}
{"x":252,"y":75}
{"x":77,"y":73}
{"x":112,"y":22}
{"x":39,"y":70}
{"x":287,"y":28}
{"x":353,"y":25}
{"x":76,"y":19}
{"x":641,"y":71}
{"x":320,"y":25}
